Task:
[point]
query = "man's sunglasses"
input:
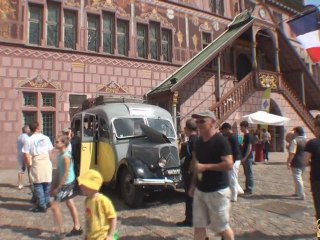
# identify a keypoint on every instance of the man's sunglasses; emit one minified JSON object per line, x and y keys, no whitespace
{"x":200,"y":121}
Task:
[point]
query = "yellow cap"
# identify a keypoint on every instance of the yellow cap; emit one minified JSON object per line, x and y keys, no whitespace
{"x":91,"y":179}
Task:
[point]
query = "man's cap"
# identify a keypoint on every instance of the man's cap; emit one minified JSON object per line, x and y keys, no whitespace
{"x":191,"y":124}
{"x":225,"y":126}
{"x":207,"y":113}
{"x":66,"y":130}
{"x":91,"y":179}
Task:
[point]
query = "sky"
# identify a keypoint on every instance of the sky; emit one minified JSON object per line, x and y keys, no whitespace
{"x":313,"y":2}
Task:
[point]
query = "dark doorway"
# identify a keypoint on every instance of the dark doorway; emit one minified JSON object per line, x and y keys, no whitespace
{"x":265,"y":51}
{"x":277,"y":132}
{"x":243,"y":66}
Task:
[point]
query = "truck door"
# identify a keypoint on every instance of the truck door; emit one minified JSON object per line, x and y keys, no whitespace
{"x":88,"y":142}
{"x":106,"y":157}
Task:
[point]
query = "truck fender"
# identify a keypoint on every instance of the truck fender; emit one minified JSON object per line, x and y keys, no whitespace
{"x":138,"y":168}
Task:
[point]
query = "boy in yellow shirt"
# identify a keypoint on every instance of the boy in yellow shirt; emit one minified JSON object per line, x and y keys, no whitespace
{"x":101,"y":217}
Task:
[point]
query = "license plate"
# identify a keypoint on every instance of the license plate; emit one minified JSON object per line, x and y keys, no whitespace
{"x":173,"y":171}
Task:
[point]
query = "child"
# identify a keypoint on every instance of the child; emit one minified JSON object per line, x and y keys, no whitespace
{"x":63,"y":191}
{"x":101,"y":218}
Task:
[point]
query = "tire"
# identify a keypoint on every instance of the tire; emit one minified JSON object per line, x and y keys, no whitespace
{"x":131,"y":194}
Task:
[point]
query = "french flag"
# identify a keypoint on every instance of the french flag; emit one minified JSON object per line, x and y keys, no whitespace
{"x":308,"y":34}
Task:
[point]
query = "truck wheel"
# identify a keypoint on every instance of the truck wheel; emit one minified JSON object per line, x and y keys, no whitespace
{"x":131,"y":194}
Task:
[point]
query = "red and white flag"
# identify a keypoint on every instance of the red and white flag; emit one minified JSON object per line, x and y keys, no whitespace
{"x":307,"y":31}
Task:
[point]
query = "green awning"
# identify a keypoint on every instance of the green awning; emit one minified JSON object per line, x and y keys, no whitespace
{"x":238,"y":26}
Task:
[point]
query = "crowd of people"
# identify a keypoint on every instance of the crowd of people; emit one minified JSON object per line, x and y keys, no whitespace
{"x":214,"y":163}
{"x":210,"y":163}
{"x":35,"y":154}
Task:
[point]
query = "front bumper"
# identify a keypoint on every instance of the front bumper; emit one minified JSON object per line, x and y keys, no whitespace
{"x":166,"y":182}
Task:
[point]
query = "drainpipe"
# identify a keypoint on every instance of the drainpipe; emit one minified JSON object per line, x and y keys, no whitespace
{"x":254,"y":57}
{"x":302,"y":89}
{"x":174,"y":108}
{"x":277,"y":60}
{"x":218,"y":90}
{"x":133,"y":25}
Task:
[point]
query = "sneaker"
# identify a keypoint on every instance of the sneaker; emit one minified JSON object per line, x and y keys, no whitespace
{"x":184,"y":223}
{"x":240,"y":190}
{"x":20,"y":186}
{"x":75,"y":232}
{"x":248,"y":192}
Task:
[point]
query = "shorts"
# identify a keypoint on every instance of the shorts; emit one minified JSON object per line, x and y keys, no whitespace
{"x":211,"y":209}
{"x":22,"y":166}
{"x":66,"y":192}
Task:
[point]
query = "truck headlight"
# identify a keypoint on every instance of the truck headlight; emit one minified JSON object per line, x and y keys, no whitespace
{"x":162,"y":162}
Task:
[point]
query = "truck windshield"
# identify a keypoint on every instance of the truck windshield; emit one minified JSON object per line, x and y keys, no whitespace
{"x":131,"y":127}
{"x":128,"y":127}
{"x":162,"y":125}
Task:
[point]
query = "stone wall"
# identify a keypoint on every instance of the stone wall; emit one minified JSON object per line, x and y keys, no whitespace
{"x":64,"y":74}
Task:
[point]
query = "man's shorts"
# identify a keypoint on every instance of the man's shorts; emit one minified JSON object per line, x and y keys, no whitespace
{"x":211,"y":209}
{"x":22,"y":166}
{"x":66,"y":192}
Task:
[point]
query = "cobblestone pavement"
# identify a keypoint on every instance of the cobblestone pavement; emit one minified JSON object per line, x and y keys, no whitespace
{"x":270,"y":213}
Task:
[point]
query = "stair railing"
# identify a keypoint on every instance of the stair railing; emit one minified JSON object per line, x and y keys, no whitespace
{"x":296,"y":103}
{"x":234,"y":98}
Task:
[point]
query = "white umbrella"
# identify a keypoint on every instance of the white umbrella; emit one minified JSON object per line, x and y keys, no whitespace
{"x":264,"y":118}
{"x":314,"y":113}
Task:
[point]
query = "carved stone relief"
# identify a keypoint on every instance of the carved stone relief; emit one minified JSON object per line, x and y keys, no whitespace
{"x":195,"y":20}
{"x":8,"y":9}
{"x":154,"y":15}
{"x":205,"y":27}
{"x":180,"y":38}
{"x":113,"y":88}
{"x":109,"y":4}
{"x":195,"y":40}
{"x":72,"y":3}
{"x":38,"y":82}
{"x":268,"y":80}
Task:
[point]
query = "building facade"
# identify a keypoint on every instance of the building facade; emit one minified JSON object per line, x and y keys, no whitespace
{"x":54,"y":54}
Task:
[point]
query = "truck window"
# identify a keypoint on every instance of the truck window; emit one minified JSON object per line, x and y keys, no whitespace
{"x":89,"y":126}
{"x":103,"y":128}
{"x":163,"y":126}
{"x":128,"y":127}
{"x":76,"y":125}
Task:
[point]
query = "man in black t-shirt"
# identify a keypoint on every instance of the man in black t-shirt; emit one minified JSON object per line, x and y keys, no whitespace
{"x":236,"y":154}
{"x":247,"y":156}
{"x":186,"y":151}
{"x":210,"y":185}
{"x":312,"y":151}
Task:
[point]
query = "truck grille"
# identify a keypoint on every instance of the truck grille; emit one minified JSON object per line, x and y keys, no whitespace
{"x":170,"y":153}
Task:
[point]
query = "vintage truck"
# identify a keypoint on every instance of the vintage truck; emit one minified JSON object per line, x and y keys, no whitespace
{"x":132,"y":144}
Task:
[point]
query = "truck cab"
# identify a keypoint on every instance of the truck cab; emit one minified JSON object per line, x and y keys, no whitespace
{"x":133,"y":145}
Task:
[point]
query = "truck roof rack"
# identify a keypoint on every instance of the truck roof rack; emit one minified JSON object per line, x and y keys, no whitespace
{"x":105,"y":99}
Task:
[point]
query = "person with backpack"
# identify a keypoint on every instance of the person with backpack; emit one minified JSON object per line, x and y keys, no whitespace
{"x":190,"y":131}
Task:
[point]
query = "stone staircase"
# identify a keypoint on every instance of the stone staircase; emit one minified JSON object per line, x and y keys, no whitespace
{"x":245,"y":88}
{"x":234,"y":98}
{"x":295,"y":102}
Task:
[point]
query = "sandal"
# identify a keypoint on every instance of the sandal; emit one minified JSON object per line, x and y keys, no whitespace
{"x":75,"y":232}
